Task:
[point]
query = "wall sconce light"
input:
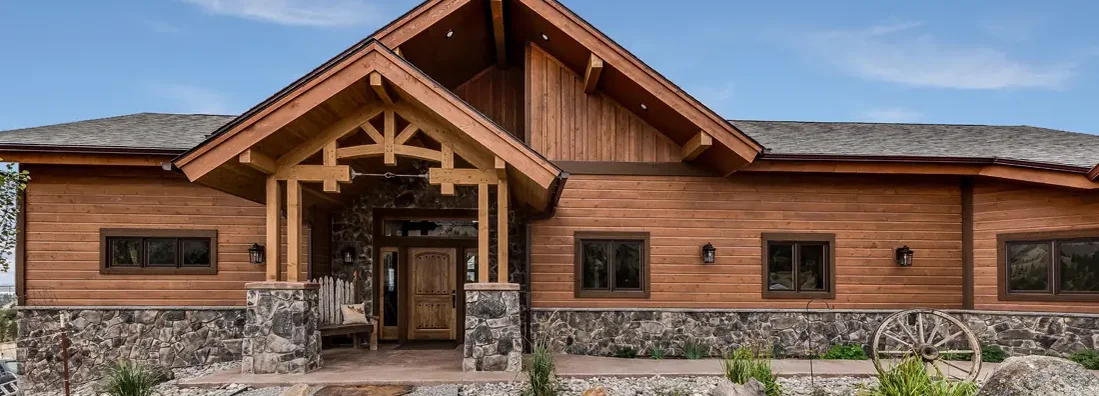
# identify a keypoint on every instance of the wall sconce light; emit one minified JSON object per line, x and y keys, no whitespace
{"x":904,"y":256}
{"x":349,"y":256}
{"x":709,"y":253}
{"x":256,"y":253}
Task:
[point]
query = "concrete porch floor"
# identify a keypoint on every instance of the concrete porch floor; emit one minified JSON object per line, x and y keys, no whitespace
{"x":389,"y":366}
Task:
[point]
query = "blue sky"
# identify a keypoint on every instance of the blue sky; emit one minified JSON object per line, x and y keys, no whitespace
{"x":993,"y":62}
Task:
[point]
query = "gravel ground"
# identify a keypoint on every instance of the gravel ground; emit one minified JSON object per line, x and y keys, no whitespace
{"x":170,"y":389}
{"x":660,"y":386}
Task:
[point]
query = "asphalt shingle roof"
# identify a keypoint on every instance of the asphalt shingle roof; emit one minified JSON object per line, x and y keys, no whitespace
{"x":143,"y":130}
{"x":1024,"y":143}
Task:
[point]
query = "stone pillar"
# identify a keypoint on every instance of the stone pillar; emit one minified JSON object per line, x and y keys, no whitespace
{"x":280,"y":330}
{"x":494,"y":338}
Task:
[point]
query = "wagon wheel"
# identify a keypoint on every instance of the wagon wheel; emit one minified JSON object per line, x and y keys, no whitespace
{"x":947,"y":346}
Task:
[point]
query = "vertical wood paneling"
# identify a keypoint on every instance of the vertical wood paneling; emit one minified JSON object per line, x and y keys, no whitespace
{"x":498,"y":94}
{"x":568,"y":124}
{"x":869,"y":216}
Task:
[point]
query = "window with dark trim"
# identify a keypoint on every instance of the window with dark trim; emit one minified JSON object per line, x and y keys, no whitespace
{"x":1049,"y":266}
{"x":612,"y":264}
{"x":157,"y":252}
{"x":799,"y":265}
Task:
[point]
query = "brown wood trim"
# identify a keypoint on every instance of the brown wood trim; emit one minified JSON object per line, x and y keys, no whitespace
{"x":20,"y":257}
{"x":1093,"y":174}
{"x":105,"y":233}
{"x":923,"y":160}
{"x":634,"y":168}
{"x":967,"y":242}
{"x":830,"y":239}
{"x":646,"y":285}
{"x":1041,"y":236}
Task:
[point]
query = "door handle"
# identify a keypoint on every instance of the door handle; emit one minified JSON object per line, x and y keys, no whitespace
{"x":453,"y":299}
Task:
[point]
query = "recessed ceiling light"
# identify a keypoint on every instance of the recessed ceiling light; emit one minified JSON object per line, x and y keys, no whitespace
{"x":644,"y":107}
{"x":449,"y":33}
{"x":545,"y":37}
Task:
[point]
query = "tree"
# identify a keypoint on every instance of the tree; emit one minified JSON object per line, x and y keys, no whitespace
{"x":12,"y":182}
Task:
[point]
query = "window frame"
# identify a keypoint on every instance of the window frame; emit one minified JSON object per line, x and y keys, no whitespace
{"x":180,"y":235}
{"x":1053,"y":291}
{"x":796,"y":238}
{"x":580,"y":237}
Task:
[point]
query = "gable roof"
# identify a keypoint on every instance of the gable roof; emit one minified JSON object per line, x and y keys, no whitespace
{"x":143,"y":131}
{"x":1019,"y":143}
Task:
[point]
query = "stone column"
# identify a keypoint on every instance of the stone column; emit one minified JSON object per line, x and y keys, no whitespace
{"x":494,"y":338}
{"x":280,"y":330}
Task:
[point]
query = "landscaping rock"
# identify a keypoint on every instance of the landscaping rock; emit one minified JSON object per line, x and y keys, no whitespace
{"x":297,"y":390}
{"x":597,"y":391}
{"x":1040,"y":376}
{"x":751,"y":388}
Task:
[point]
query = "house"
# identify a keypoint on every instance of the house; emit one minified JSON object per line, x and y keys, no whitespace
{"x":489,"y":169}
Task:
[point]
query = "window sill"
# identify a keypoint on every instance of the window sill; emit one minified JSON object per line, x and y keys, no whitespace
{"x":798,"y":295}
{"x":611,"y":294}
{"x":1050,"y":297}
{"x":159,"y":271}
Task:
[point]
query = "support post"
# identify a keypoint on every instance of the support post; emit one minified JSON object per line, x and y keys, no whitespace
{"x":330,"y":185}
{"x":448,"y":163}
{"x":274,"y":240}
{"x":502,"y":230}
{"x":390,"y":137}
{"x":293,"y":230}
{"x":482,"y":233}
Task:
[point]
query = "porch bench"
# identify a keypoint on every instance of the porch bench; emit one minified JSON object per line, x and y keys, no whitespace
{"x":356,"y":332}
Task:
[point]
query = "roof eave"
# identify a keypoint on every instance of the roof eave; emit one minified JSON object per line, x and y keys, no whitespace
{"x":932,"y":160}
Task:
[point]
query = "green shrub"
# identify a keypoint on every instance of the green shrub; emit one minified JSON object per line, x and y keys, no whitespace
{"x":695,"y":349}
{"x":657,"y":352}
{"x":910,"y":378}
{"x":542,"y":372}
{"x":1088,"y":358}
{"x":626,"y":352}
{"x":989,"y":354}
{"x":8,"y":325}
{"x":129,"y":379}
{"x":743,"y":364}
{"x":846,"y":352}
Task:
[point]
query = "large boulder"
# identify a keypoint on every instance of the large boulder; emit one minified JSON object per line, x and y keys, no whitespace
{"x":751,"y":388}
{"x":1040,"y":376}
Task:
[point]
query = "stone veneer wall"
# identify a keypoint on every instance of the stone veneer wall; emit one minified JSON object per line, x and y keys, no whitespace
{"x":170,"y":337}
{"x":494,"y":339}
{"x":604,"y":331}
{"x":280,"y":330}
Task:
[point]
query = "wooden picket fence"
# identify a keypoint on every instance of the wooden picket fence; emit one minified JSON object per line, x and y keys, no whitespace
{"x":333,"y":294}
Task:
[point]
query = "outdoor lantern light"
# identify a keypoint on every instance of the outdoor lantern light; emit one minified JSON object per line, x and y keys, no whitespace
{"x":255,"y":253}
{"x":709,"y":252}
{"x":349,"y":256}
{"x":904,"y":256}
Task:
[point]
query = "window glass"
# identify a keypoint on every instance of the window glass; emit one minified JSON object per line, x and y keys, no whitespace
{"x":1079,"y":266}
{"x":390,"y":300}
{"x":125,"y":252}
{"x":811,"y":261}
{"x":471,"y":265}
{"x":161,"y":252}
{"x":595,"y":269}
{"x":780,"y":266}
{"x":196,"y":252}
{"x":627,"y":265}
{"x":129,"y":251}
{"x":430,"y":228}
{"x":1028,"y":266}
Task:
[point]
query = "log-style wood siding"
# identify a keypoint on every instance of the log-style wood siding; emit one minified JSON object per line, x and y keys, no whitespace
{"x":1008,"y":208}
{"x":869,"y":216}
{"x":67,"y":206}
{"x":569,"y":125}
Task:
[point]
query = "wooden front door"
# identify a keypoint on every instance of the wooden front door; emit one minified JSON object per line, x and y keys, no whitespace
{"x":433,"y":292}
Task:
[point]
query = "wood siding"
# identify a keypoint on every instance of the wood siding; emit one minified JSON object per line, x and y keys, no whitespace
{"x":569,"y":125}
{"x":66,"y":207}
{"x":498,"y":94}
{"x":870,"y":216}
{"x":1003,"y":208}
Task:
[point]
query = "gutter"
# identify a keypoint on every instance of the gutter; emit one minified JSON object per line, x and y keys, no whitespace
{"x":37,"y":148}
{"x":559,"y":188}
{"x":932,"y":160}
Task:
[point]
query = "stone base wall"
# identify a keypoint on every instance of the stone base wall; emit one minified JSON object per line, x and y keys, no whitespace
{"x":789,"y":332}
{"x":494,"y":339}
{"x":280,"y":333}
{"x":169,"y":337}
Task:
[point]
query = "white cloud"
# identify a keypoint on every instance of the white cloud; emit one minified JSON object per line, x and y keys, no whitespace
{"x":192,"y":98}
{"x":295,"y":12}
{"x":899,"y":115}
{"x":896,"y":52}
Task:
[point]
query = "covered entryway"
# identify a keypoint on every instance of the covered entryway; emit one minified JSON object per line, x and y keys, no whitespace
{"x":337,"y":136}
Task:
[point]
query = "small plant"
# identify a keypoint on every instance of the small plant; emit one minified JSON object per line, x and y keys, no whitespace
{"x":1089,"y":358}
{"x":744,"y":364}
{"x":695,"y":349}
{"x":129,"y":379}
{"x":626,"y":352}
{"x":542,"y":371}
{"x":657,"y":353}
{"x":846,"y":352}
{"x":910,"y":378}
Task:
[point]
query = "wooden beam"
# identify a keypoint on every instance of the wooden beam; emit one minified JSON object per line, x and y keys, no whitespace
{"x":338,"y":130}
{"x":315,"y":173}
{"x":470,"y":151}
{"x":448,"y":163}
{"x":293,"y":230}
{"x":399,"y":52}
{"x":419,"y":153}
{"x":406,"y":134}
{"x":363,"y":151}
{"x":330,"y":185}
{"x":501,"y":167}
{"x":258,"y":161}
{"x":461,"y":177}
{"x":502,"y":231}
{"x":1093,"y":174}
{"x":591,"y":76}
{"x":699,"y":143}
{"x":498,"y":32}
{"x":274,"y":240}
{"x":373,"y":133}
{"x":390,"y":137}
{"x":482,"y":233}
{"x":378,"y":85}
